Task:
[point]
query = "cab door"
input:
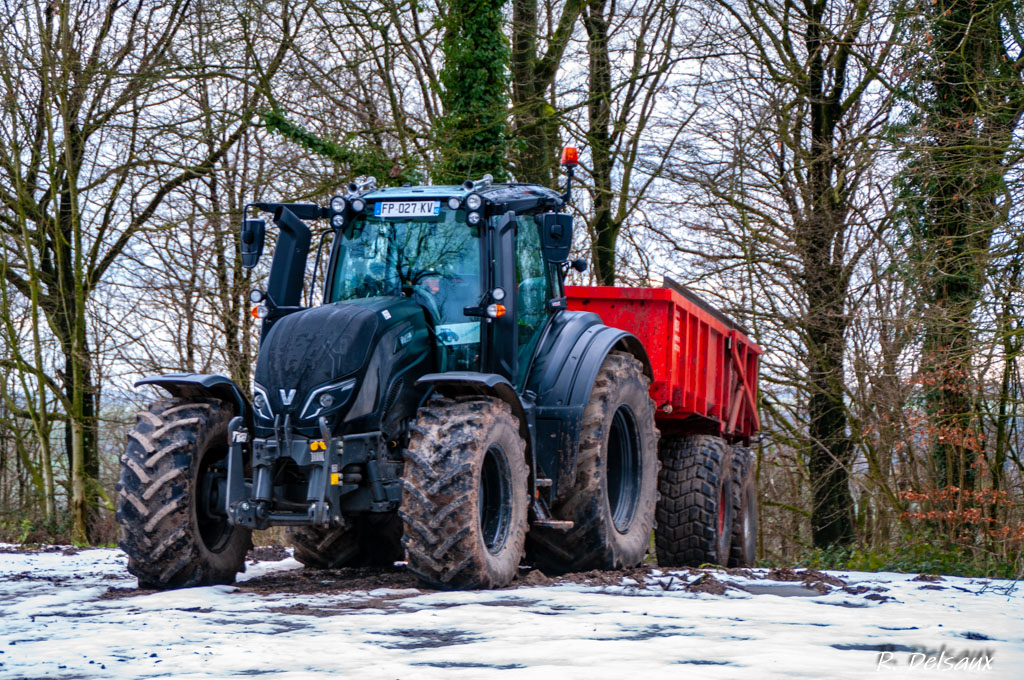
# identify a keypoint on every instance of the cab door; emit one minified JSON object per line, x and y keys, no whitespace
{"x":533,"y":290}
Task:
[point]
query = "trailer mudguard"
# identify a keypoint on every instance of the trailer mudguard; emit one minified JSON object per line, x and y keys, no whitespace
{"x":193,"y":385}
{"x":461,"y":383}
{"x":566,"y":364}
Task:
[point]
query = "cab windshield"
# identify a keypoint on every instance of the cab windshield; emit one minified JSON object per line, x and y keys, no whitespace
{"x":433,"y":260}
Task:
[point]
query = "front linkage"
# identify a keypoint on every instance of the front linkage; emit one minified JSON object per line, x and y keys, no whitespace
{"x":335,"y":466}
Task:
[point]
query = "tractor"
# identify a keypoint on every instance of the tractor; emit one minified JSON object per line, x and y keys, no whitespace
{"x":441,"y":405}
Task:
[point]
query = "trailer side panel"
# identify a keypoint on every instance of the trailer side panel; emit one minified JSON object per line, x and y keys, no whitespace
{"x":705,"y":367}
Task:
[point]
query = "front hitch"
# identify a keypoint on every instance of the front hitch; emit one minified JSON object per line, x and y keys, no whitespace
{"x":253,"y":505}
{"x":238,"y":436}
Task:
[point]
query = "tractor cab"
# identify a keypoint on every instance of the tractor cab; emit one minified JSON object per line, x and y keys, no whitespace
{"x":472,"y":262}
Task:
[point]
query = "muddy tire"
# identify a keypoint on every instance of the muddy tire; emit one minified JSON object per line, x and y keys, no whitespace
{"x":743,"y":544}
{"x":694,"y":515}
{"x":172,"y":529}
{"x":464,"y":496}
{"x":611,"y":503}
{"x":367,"y":541}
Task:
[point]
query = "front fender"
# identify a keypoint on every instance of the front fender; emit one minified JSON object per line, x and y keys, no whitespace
{"x":460,"y":383}
{"x":199,"y":385}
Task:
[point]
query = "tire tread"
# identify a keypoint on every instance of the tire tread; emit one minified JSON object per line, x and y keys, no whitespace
{"x":156,"y":497}
{"x":686,"y":533}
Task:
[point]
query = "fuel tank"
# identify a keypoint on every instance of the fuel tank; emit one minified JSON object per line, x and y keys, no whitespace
{"x":353,"y":362}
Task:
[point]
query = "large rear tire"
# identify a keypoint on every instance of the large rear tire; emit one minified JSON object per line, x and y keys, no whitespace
{"x":743,"y":546}
{"x":695,"y":509}
{"x":367,"y":541}
{"x":464,"y":498}
{"x":174,"y":528}
{"x":612,"y":501}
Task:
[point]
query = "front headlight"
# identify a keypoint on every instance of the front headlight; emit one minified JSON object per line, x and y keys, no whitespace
{"x":327,"y":399}
{"x":474,"y":201}
{"x":261,"y":403}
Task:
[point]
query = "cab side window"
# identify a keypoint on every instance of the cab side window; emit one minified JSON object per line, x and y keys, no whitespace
{"x":532,"y":292}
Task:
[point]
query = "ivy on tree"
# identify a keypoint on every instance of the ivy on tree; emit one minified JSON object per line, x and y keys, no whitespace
{"x":361,"y":161}
{"x":968,"y":97}
{"x":472,"y":135}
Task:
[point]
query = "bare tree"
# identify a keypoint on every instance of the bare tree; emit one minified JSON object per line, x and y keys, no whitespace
{"x":536,"y":59}
{"x":634,"y":55}
{"x":92,"y":146}
{"x":786,"y":160}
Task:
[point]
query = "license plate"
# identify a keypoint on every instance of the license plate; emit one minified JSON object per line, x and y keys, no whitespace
{"x":402,"y":209}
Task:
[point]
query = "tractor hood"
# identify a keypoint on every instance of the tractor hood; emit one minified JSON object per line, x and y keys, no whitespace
{"x":307,"y":354}
{"x":338,"y":361}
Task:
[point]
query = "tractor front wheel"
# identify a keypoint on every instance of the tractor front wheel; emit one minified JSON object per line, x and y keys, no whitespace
{"x":170,"y":496}
{"x":464,"y":496}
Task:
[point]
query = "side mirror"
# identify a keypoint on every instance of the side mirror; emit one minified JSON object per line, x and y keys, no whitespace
{"x":254,"y":232}
{"x":555,"y":236}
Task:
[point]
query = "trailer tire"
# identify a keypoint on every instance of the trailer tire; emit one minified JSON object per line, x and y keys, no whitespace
{"x":464,"y":494}
{"x":173,"y":532}
{"x":694,"y":517}
{"x":611,"y":503}
{"x":366,"y":541}
{"x":743,"y":546}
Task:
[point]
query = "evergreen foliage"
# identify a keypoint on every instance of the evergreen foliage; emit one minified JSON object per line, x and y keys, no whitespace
{"x":472,"y":136}
{"x":360,"y":160}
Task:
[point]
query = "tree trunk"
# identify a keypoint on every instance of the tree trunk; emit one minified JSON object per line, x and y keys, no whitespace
{"x":535,"y":119}
{"x":819,"y":237}
{"x":604,"y":229}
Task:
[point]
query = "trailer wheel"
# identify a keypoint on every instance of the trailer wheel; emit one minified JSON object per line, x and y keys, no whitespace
{"x":743,"y":546}
{"x":464,"y":497}
{"x":612,"y":501}
{"x":170,"y":497}
{"x":366,"y":541}
{"x":695,"y":509}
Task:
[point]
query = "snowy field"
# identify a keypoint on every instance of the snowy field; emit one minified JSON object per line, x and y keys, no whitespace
{"x":76,"y":614}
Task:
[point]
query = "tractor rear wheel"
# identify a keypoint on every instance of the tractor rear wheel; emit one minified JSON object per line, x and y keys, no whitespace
{"x":611,"y":504}
{"x":464,"y":497}
{"x":743,"y":546}
{"x":366,"y":541}
{"x":695,"y":509}
{"x":170,"y":496}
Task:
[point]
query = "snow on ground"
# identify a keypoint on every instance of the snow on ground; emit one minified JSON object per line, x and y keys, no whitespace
{"x":75,"y":614}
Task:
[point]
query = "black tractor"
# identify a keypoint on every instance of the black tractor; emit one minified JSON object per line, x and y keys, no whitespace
{"x":440,"y":405}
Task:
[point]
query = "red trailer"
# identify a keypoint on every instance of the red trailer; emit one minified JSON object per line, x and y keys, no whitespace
{"x":705,"y":365}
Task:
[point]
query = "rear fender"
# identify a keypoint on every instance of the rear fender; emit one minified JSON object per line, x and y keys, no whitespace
{"x":566,"y":365}
{"x":199,"y":385}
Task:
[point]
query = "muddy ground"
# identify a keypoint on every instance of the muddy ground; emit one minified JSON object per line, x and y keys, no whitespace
{"x":77,"y":613}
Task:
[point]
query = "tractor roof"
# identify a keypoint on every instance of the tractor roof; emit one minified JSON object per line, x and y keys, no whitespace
{"x":518,"y":197}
